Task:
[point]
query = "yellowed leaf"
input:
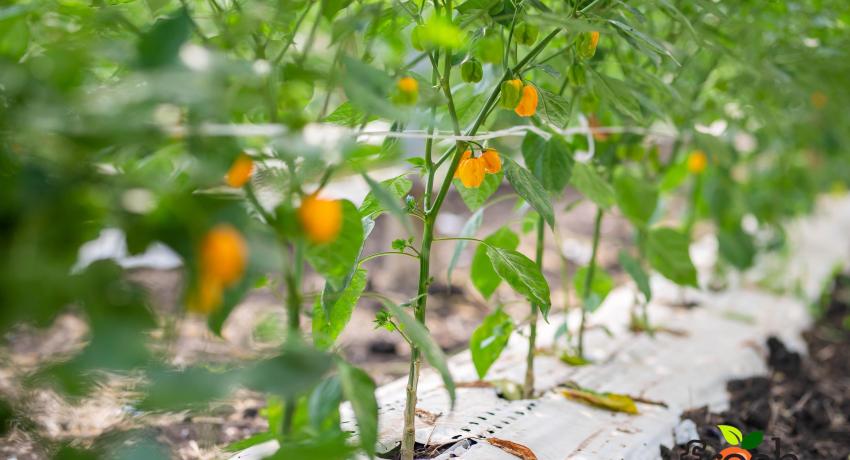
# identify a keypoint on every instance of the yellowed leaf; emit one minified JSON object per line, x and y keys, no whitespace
{"x":610,"y":401}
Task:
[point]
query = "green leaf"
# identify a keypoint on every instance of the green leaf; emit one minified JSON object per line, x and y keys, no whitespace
{"x":667,"y":251}
{"x":530,"y":189}
{"x":469,"y":229}
{"x":368,"y":89}
{"x":736,"y":246}
{"x":752,"y":440}
{"x":336,"y":259}
{"x":161,"y":44}
{"x":359,"y":389}
{"x":635,"y":270}
{"x":387,"y":196}
{"x":14,"y":36}
{"x":523,"y":275}
{"x":592,"y":185}
{"x":332,"y":310}
{"x":618,"y":93}
{"x":556,"y":108}
{"x":421,"y":338}
{"x":323,"y":403}
{"x":483,"y":276}
{"x":732,"y":435}
{"x":550,"y":161}
{"x":347,"y":115}
{"x":654,"y":45}
{"x":674,"y":176}
{"x":330,"y":8}
{"x":636,"y":197}
{"x":475,"y":197}
{"x":243,"y":444}
{"x":489,"y":339}
{"x":474,"y":5}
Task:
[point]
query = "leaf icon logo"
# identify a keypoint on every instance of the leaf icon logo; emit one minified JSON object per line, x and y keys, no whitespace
{"x":732,"y":435}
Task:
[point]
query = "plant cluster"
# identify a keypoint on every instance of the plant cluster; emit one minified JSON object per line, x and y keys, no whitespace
{"x":215,"y":126}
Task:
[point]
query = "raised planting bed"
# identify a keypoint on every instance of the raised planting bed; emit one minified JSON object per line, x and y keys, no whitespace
{"x":708,"y":338}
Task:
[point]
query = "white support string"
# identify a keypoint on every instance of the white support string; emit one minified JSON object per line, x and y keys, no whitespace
{"x":277,"y":130}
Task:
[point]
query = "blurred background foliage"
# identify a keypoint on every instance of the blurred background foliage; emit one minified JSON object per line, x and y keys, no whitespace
{"x":104,"y":104}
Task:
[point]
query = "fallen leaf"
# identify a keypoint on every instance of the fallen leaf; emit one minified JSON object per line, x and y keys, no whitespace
{"x":513,"y":448}
{"x":507,"y":389}
{"x":474,"y":384}
{"x":610,"y":401}
{"x":429,"y":418}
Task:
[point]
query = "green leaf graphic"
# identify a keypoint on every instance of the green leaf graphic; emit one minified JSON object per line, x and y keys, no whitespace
{"x":732,"y":435}
{"x":752,"y":440}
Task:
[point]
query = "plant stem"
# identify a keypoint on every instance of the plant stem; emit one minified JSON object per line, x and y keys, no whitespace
{"x":588,"y":280}
{"x":432,"y":209}
{"x":293,"y":320}
{"x":528,"y":387}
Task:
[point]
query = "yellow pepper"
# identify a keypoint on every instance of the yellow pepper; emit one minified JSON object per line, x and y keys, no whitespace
{"x":240,"y":171}
{"x":697,"y":162}
{"x":527,"y":105}
{"x":320,"y":219}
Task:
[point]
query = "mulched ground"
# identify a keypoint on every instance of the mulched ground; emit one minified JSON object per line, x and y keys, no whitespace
{"x":804,"y":401}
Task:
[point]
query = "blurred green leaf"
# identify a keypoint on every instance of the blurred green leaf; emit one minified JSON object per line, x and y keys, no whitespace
{"x":489,"y":339}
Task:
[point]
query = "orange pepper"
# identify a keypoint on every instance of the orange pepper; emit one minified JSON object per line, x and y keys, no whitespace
{"x":492,"y":162}
{"x":223,"y":255}
{"x":466,"y":155}
{"x":320,"y":219}
{"x":240,"y":171}
{"x":471,"y":172}
{"x":207,"y":297}
{"x":697,"y":162}
{"x":528,"y":102}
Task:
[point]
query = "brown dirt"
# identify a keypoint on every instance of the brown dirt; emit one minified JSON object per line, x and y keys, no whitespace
{"x":804,"y":401}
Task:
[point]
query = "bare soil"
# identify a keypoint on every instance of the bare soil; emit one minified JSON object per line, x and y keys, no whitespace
{"x":804,"y":401}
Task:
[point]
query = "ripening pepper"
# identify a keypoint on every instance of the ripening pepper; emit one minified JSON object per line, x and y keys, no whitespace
{"x":408,"y":91}
{"x":492,"y":162}
{"x":320,"y":219}
{"x":697,"y":162}
{"x":525,"y":33}
{"x":527,"y":104}
{"x":587,"y":42}
{"x":471,"y":71}
{"x":511,"y":93}
{"x":223,"y":254}
{"x":471,"y":172}
{"x":240,"y":171}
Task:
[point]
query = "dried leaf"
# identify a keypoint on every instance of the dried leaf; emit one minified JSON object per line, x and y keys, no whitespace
{"x":610,"y":401}
{"x":513,"y":448}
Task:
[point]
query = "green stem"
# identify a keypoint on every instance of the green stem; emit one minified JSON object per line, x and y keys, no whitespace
{"x":432,"y":209}
{"x":528,"y":387}
{"x":293,"y":320}
{"x":588,"y":280}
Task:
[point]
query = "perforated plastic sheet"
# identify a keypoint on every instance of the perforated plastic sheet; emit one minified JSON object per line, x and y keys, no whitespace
{"x":683,"y":372}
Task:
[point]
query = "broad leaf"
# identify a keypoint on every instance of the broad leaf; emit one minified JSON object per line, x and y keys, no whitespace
{"x":737,"y":247}
{"x":667,"y":251}
{"x":387,"y":196}
{"x":489,"y":339}
{"x":359,"y":389}
{"x":475,"y":197}
{"x":530,"y":189}
{"x":483,"y":276}
{"x":421,"y":338}
{"x":636,"y":271}
{"x":323,"y":403}
{"x":523,"y":275}
{"x":600,"y":286}
{"x":336,"y":259}
{"x":332,"y":310}
{"x":550,"y":161}
{"x":592,"y":185}
{"x":636,"y":197}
